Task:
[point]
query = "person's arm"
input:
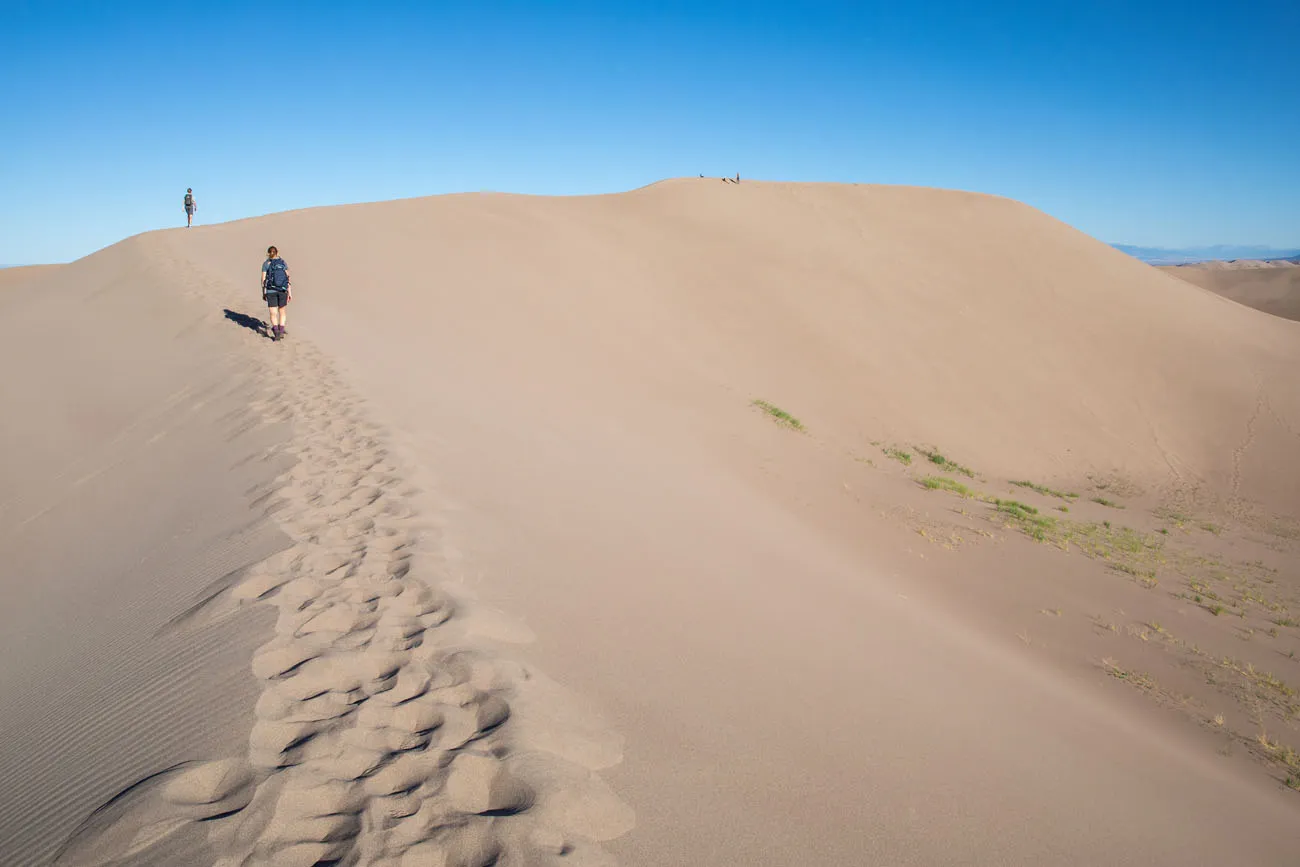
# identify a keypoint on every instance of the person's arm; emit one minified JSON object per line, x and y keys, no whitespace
{"x":288,"y":282}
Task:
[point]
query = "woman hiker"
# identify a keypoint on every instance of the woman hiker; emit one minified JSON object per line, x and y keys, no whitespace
{"x":277,"y":291}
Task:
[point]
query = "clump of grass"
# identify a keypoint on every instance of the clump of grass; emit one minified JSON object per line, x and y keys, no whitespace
{"x":899,"y":455}
{"x":1212,"y":528}
{"x":779,"y":415}
{"x":1145,"y":577}
{"x":1032,"y":524}
{"x":1062,"y":508}
{"x":1287,"y":621}
{"x":1044,"y":490}
{"x":939,"y":460}
{"x":1283,"y":755}
{"x":943,"y":483}
{"x":1123,"y":548}
{"x":1138,"y":554}
{"x":1105,"y":502}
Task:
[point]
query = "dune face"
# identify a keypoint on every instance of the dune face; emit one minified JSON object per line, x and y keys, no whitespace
{"x":123,"y":478}
{"x":1273,"y":287}
{"x":532,"y":578}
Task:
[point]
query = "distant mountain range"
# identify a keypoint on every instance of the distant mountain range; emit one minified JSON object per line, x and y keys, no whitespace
{"x":1214,"y":253}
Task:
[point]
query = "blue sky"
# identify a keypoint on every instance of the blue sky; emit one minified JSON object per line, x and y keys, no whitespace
{"x":1162,"y":124}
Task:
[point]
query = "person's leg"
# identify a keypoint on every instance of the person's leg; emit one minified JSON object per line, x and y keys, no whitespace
{"x":278,"y":312}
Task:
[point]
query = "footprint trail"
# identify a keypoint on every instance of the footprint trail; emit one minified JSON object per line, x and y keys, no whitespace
{"x":385,"y":733}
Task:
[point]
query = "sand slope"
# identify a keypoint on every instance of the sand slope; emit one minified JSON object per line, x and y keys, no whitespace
{"x":1273,"y":287}
{"x":912,"y":313}
{"x":544,"y":406}
{"x":122,"y":504}
{"x":237,"y":618}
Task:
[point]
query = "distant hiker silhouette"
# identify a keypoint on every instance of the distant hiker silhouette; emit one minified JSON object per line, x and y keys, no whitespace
{"x":277,"y":291}
{"x":190,"y":207}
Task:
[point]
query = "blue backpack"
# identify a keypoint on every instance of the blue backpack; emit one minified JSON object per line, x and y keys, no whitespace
{"x":277,"y":278}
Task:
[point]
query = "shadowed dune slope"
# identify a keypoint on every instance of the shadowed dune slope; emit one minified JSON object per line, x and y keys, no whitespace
{"x":1271,"y":287}
{"x":121,"y":505}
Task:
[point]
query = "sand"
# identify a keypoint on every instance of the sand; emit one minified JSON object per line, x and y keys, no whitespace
{"x":1273,"y":287}
{"x":528,"y":576}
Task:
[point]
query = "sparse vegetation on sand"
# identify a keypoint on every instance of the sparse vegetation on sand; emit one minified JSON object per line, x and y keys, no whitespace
{"x":899,"y":455}
{"x":1124,"y":549}
{"x":1044,"y":490}
{"x":936,"y":457}
{"x":942,"y":483}
{"x":1139,"y":679}
{"x":779,"y":415}
{"x":1280,"y":755}
{"x":1026,"y":518}
{"x":1102,"y":501}
{"x":1172,"y":515}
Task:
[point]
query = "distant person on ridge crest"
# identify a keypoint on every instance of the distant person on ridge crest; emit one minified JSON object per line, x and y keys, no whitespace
{"x":277,"y":291}
{"x":189,"y":206}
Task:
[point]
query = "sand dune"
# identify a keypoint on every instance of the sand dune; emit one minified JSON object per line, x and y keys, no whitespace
{"x":512,"y":435}
{"x":1273,"y":287}
{"x":122,"y":501}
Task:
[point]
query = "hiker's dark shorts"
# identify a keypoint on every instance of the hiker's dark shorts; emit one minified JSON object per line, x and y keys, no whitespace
{"x":189,"y":209}
{"x":276,"y":298}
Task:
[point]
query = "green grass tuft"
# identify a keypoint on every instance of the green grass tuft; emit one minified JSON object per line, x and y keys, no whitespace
{"x":1032,"y":524}
{"x":942,"y":483}
{"x":899,"y":455}
{"x":779,"y":415}
{"x":939,"y":460}
{"x":1044,"y":490}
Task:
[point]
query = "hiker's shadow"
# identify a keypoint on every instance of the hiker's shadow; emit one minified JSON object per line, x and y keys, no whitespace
{"x":246,"y":321}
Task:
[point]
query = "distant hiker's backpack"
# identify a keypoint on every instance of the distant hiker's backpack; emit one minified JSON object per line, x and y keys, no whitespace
{"x":189,"y":200}
{"x":277,"y":277}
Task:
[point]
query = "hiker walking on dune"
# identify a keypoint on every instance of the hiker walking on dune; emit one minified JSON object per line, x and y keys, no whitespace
{"x":277,"y":291}
{"x":189,"y":206}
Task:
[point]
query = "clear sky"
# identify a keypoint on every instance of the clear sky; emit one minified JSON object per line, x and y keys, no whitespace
{"x":1156,"y":123}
